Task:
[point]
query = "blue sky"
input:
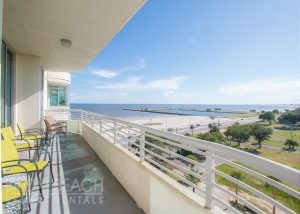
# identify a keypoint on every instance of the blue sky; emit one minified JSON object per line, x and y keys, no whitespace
{"x":199,"y":52}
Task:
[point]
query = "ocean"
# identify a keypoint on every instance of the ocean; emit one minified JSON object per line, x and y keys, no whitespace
{"x":117,"y":110}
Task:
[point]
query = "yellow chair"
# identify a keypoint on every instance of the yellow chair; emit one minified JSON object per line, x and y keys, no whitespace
{"x":20,"y":144}
{"x":8,"y":134}
{"x":30,"y":134}
{"x":12,"y":163}
{"x":13,"y":191}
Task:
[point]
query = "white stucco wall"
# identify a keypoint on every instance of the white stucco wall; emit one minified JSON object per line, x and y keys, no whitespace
{"x":28,"y":92}
{"x":153,"y":191}
{"x":59,"y":78}
{"x":56,"y":79}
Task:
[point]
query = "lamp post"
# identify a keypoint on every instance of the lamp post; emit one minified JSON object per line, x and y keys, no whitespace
{"x":291,"y":127}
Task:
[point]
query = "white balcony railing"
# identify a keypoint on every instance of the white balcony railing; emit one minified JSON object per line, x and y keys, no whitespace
{"x":166,"y":157}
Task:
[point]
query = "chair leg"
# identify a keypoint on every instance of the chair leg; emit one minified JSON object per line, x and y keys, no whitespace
{"x":38,"y":154}
{"x":28,"y":201}
{"x":21,"y":200}
{"x":51,"y":171}
{"x":40,"y":185}
{"x":37,"y":151}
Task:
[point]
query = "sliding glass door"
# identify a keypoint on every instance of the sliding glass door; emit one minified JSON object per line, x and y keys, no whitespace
{"x":7,"y":77}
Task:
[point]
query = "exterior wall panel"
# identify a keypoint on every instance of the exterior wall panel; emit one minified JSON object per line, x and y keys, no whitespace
{"x":153,"y":191}
{"x":28,"y":90}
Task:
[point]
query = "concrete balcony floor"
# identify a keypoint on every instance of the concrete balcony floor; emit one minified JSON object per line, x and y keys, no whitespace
{"x":102,"y":193}
{"x":83,"y":184}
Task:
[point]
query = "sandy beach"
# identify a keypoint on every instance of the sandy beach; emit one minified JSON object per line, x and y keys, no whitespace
{"x":181,"y":124}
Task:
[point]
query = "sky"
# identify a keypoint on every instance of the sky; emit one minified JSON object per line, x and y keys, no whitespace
{"x":199,"y":52}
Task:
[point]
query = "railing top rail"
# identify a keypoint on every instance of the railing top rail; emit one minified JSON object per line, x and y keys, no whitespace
{"x":269,"y":167}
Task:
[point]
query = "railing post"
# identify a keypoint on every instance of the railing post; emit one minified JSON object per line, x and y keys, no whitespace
{"x":92,"y":120}
{"x":100,"y":123}
{"x":128,"y":139}
{"x":81,"y":114}
{"x":210,"y":178}
{"x":115,"y":131}
{"x":142,"y":145}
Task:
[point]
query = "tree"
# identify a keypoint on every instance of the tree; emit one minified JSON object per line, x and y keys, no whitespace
{"x":237,"y":175}
{"x":291,"y":144}
{"x":192,"y":127}
{"x":215,"y":137}
{"x":155,"y":142}
{"x":238,"y":133}
{"x":213,"y":127}
{"x":274,"y":189}
{"x":192,"y":178}
{"x":268,"y":116}
{"x":276,"y":111}
{"x":290,"y":117}
{"x":261,"y":133}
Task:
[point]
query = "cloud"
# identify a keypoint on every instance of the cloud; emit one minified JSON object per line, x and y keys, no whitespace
{"x":275,"y":90}
{"x":95,"y":97}
{"x":105,"y":73}
{"x":140,"y":66}
{"x":176,"y":95}
{"x":113,"y":73}
{"x":135,"y":84}
{"x":263,"y":86}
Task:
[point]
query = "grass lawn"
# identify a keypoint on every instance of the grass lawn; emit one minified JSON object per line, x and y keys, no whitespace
{"x":280,"y":135}
{"x":289,"y":201}
{"x":291,"y":159}
{"x":248,"y":115}
{"x":152,"y":124}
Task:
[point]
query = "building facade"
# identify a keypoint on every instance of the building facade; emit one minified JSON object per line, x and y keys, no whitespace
{"x":39,"y":50}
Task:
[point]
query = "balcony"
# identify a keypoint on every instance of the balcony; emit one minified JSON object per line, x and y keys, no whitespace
{"x":136,"y":169}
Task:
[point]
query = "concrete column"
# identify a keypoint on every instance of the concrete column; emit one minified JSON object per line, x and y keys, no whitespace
{"x":28,"y":90}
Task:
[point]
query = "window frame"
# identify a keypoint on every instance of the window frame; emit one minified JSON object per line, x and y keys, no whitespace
{"x":58,"y":88}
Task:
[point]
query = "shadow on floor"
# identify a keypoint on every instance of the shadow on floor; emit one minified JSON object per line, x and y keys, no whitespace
{"x":91,"y":188}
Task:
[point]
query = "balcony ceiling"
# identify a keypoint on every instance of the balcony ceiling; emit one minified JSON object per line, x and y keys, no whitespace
{"x":35,"y":27}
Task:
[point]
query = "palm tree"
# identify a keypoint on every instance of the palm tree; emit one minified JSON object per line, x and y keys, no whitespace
{"x":192,"y":128}
{"x":237,"y":175}
{"x":291,"y":144}
{"x":192,"y":178}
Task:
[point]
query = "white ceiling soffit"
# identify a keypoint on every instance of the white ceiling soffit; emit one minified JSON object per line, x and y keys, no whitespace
{"x":35,"y":27}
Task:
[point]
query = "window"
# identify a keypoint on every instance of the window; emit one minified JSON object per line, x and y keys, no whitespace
{"x":7,"y":83}
{"x":58,"y":96}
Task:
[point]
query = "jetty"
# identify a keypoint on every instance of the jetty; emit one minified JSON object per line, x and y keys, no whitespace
{"x":160,"y":110}
{"x":216,"y":110}
{"x":168,"y":110}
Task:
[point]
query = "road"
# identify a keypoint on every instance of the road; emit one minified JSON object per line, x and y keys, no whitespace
{"x":204,"y":127}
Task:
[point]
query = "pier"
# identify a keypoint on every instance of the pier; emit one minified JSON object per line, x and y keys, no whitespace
{"x":157,"y":110}
{"x":167,"y":110}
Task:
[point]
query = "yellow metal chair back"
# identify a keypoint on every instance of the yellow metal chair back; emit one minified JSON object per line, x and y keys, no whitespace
{"x":9,"y":153}
{"x":10,"y":192}
{"x":21,"y":128}
{"x":8,"y":133}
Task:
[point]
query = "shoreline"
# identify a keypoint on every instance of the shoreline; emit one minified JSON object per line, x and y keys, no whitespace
{"x":181,"y":124}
